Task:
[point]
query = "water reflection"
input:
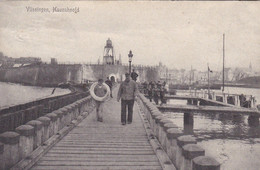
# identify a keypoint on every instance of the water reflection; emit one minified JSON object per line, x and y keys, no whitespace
{"x":220,"y":125}
{"x":232,"y":139}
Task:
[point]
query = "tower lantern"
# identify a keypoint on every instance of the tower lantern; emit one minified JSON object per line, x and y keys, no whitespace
{"x":108,"y":57}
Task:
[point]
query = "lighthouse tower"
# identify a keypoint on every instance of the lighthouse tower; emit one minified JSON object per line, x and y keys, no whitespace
{"x":108,"y":53}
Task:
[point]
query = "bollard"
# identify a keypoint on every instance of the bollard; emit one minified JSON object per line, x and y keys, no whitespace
{"x":66,"y":116}
{"x":84,"y":114}
{"x":69,"y":115}
{"x":205,"y":163}
{"x":2,"y":162}
{"x":189,"y":152}
{"x":171,"y":143}
{"x":181,"y":141}
{"x":75,"y":110}
{"x":38,"y":132}
{"x":78,"y":106}
{"x":11,"y":148}
{"x":162,"y":134}
{"x":80,"y":118}
{"x":26,"y":140}
{"x":167,"y":126}
{"x":157,"y":125}
{"x":59,"y":114}
{"x":152,"y":122}
{"x":81,"y":106}
{"x":63,"y":118}
{"x":53,"y":123}
{"x":46,"y":128}
{"x":85,"y":104}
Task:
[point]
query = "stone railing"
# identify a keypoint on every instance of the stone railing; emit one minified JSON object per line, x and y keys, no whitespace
{"x":19,"y":148}
{"x":14,"y":116}
{"x":182,"y":149}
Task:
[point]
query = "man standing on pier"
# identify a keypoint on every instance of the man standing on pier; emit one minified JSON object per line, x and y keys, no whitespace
{"x":100,"y":90}
{"x":134,"y":75}
{"x":127,"y":92}
{"x":109,"y":83}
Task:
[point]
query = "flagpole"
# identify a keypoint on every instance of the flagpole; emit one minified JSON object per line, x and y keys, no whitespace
{"x":208,"y":82}
{"x":223,"y":78}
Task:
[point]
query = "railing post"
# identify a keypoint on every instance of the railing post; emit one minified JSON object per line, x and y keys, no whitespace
{"x":2,"y":161}
{"x":26,"y":140}
{"x":162,"y":134}
{"x":53,"y":123}
{"x":59,"y":118}
{"x":11,"y":148}
{"x":189,"y":152}
{"x":181,"y":141}
{"x":157,"y":125}
{"x":171,"y":148}
{"x":167,"y":126}
{"x":205,"y":162}
{"x":38,"y":132}
{"x":46,"y":128}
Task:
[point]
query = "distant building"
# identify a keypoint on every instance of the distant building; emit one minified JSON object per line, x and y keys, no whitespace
{"x":54,"y":61}
{"x":108,"y":57}
{"x":7,"y":62}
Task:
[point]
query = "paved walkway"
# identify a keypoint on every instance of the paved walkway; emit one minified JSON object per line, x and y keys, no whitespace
{"x":106,"y":145}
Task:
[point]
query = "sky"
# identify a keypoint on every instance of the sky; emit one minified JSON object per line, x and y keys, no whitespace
{"x":178,"y":34}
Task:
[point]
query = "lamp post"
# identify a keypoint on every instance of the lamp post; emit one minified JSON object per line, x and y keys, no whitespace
{"x":130,"y":55}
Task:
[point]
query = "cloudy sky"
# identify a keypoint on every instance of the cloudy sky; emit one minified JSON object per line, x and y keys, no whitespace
{"x":179,"y":34}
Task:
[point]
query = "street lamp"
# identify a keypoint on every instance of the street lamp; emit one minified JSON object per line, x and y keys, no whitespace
{"x":130,"y":55}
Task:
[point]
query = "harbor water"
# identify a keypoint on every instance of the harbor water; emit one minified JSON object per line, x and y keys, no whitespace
{"x":228,"y":137}
{"x":13,"y":94}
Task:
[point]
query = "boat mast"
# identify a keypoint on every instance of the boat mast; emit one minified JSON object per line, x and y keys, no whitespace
{"x":223,"y":63}
{"x":208,"y":82}
{"x":190,"y":74}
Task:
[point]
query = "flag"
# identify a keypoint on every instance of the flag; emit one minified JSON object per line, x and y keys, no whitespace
{"x":209,"y":70}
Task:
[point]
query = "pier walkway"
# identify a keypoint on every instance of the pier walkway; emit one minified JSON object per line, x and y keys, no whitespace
{"x":103,"y":145}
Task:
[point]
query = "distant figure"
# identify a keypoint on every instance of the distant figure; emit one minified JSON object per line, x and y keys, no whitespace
{"x":127,"y":92}
{"x":109,"y":83}
{"x":134,"y":75}
{"x":242,"y":99}
{"x":100,"y":90}
{"x":159,"y":85}
{"x":162,"y":95}
{"x":150,"y":91}
{"x":156,"y":94}
{"x":53,"y":91}
{"x":145,"y":86}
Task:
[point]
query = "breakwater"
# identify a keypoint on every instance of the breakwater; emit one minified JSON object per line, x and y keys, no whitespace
{"x":50,"y":75}
{"x":41,"y":75}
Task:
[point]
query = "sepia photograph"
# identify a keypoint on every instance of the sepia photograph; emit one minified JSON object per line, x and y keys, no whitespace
{"x":129,"y":85}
